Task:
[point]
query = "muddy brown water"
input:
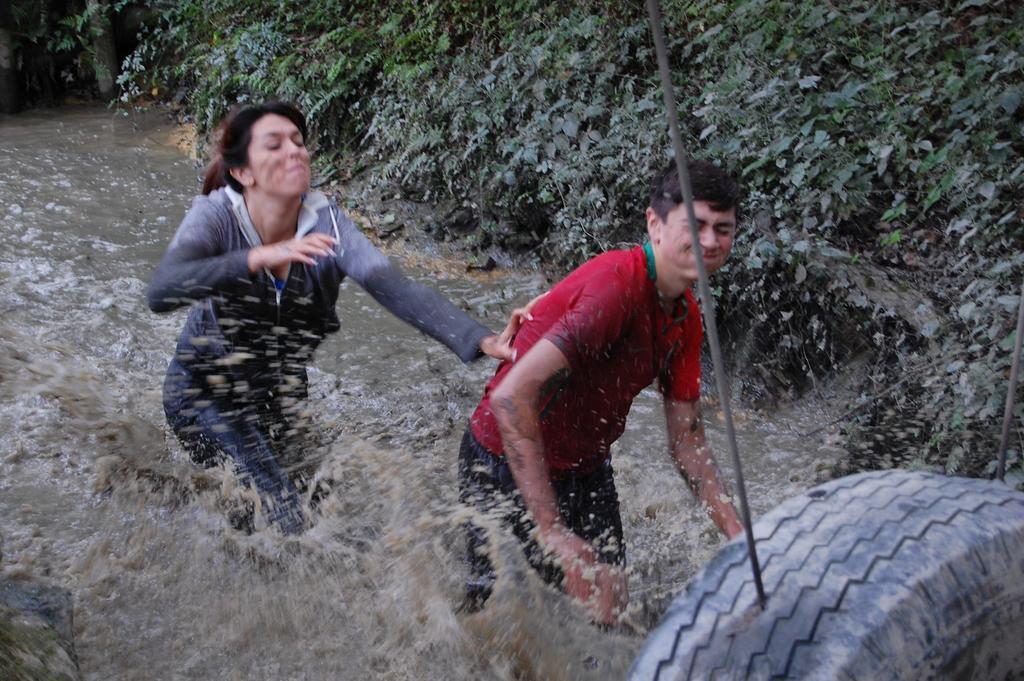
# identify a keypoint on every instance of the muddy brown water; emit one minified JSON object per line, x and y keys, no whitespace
{"x":96,"y":497}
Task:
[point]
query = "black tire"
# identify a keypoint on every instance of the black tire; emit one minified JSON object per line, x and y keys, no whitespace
{"x":885,"y":575}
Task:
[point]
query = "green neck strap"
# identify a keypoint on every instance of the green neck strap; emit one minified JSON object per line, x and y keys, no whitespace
{"x":652,"y":269}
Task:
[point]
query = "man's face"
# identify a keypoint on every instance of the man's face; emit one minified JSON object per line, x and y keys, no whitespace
{"x":673,"y":247}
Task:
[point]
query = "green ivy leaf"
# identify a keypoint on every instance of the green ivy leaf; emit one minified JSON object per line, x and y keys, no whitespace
{"x":895,"y":212}
{"x":1010,"y":100}
{"x":830,"y":252}
{"x":1010,"y":302}
{"x":936,"y":192}
{"x":808,"y":82}
{"x":571,"y":125}
{"x":756,"y":164}
{"x":966,"y":311}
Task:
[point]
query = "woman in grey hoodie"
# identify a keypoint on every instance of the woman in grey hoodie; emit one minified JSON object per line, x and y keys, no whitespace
{"x":259,"y":258}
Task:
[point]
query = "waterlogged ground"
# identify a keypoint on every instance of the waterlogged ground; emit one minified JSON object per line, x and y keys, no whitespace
{"x":97,"y":498}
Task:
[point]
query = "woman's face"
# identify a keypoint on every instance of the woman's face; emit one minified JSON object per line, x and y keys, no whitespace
{"x":278,"y":159}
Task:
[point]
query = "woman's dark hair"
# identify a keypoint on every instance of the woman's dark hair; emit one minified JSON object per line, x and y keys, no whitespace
{"x":708,"y":183}
{"x":234,"y":135}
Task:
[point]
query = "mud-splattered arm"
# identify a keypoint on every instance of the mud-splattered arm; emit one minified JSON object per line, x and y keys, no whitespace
{"x":516,"y":402}
{"x":697,"y":464}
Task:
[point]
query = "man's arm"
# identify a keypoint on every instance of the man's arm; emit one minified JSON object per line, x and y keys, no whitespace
{"x":516,"y":403}
{"x":697,"y":464}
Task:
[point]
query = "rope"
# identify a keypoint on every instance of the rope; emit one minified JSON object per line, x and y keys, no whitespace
{"x":707,"y":302}
{"x":1012,"y":390}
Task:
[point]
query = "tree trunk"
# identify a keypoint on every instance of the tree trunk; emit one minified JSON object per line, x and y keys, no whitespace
{"x":103,"y":45}
{"x":10,"y":100}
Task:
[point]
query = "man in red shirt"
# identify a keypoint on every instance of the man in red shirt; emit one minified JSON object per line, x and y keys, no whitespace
{"x":537,"y":450}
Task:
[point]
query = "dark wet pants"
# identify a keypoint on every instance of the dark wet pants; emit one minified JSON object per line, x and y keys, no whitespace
{"x":589,"y":506}
{"x":211,"y":428}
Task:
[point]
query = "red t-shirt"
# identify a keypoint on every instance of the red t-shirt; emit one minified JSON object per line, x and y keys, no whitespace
{"x":606,"y":318}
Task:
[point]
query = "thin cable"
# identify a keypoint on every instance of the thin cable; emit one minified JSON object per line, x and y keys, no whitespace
{"x":1012,"y":391}
{"x":707,"y":302}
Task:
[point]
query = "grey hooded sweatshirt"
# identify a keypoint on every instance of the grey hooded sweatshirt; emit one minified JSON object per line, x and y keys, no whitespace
{"x":244,"y":331}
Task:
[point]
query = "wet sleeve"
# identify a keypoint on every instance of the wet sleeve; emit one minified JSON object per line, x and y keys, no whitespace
{"x":681,"y":379}
{"x":416,"y":304}
{"x":594,"y":319}
{"x":197,"y":263}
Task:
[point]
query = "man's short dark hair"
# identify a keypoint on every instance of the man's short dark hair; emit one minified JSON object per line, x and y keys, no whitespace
{"x":709,"y":183}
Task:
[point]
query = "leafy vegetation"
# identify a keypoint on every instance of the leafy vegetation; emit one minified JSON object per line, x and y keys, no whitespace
{"x":54,"y":44}
{"x":880,"y":145}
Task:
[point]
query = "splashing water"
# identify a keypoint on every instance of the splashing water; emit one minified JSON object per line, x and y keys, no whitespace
{"x":95,"y":496}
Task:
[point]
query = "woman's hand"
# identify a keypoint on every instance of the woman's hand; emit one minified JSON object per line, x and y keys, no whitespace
{"x":499,"y":345}
{"x":304,"y":250}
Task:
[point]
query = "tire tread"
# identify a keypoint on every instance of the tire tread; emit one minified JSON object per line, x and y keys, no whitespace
{"x":699,"y":638}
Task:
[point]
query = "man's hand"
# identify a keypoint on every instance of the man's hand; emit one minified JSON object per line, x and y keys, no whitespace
{"x":612,"y":595}
{"x":600,"y":587}
{"x":730,"y":523}
{"x":500,"y":345}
